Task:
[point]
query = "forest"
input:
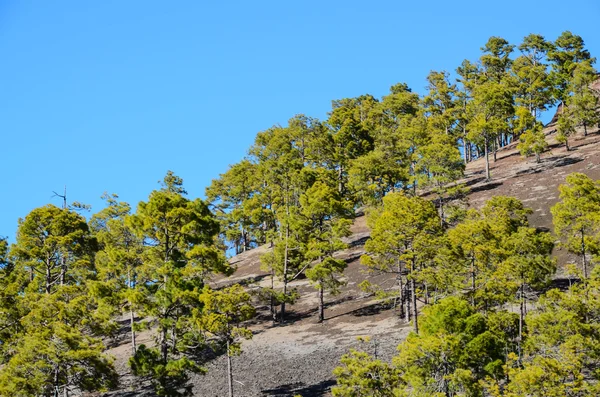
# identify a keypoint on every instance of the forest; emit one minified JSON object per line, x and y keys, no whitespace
{"x":462,"y":276}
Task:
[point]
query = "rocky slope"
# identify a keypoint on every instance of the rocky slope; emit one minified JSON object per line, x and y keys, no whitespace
{"x":299,"y":356}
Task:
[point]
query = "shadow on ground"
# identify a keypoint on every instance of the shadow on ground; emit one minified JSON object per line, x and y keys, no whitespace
{"x":299,"y":388}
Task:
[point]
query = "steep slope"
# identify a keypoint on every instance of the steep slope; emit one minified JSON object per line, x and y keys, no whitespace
{"x":298,"y":356}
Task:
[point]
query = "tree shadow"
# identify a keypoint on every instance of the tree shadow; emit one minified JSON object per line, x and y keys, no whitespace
{"x":300,"y":388}
{"x":487,"y":186}
{"x":369,"y":310}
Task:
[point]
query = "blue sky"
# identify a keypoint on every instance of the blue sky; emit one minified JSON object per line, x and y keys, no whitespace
{"x":109,"y":95}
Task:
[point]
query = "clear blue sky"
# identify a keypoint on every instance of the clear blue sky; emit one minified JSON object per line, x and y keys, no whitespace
{"x":109,"y":95}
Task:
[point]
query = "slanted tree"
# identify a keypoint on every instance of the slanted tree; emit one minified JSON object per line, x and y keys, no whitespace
{"x":576,"y":217}
{"x":221,"y":319}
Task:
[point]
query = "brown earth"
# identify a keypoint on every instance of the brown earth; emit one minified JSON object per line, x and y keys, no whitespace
{"x":298,"y":357}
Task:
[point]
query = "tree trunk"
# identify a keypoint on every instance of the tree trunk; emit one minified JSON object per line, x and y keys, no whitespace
{"x":229,"y":372}
{"x":285,"y":270}
{"x":400,"y":291}
{"x":521,"y":318}
{"x":63,"y":270}
{"x":131,"y":313}
{"x":487,"y":160}
{"x":273,"y":309}
{"x":537,"y":157}
{"x":132,"y":322}
{"x":473,"y":281}
{"x":583,"y":255}
{"x":48,"y":279}
{"x":321,"y":305}
{"x":164,"y":347}
{"x":406,"y":297}
{"x":414,"y":304}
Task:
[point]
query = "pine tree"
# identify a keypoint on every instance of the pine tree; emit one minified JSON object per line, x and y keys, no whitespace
{"x":576,"y":217}
{"x":118,"y":262}
{"x":401,"y":233}
{"x":491,"y":107}
{"x":221,"y":318}
{"x":567,"y":51}
{"x":327,"y":218}
{"x":534,"y":87}
{"x":55,"y":349}
{"x":180,"y":253}
{"x":531,"y":137}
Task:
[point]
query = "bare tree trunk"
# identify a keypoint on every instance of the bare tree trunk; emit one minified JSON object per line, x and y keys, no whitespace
{"x":321,"y":305}
{"x":273,"y":309}
{"x":131,"y":315}
{"x":285,"y":270}
{"x":408,"y":303}
{"x":521,"y":317}
{"x":400,"y":291}
{"x":164,"y":347}
{"x":414,"y":304}
{"x":473,"y":281}
{"x":487,"y":160}
{"x":583,"y":255}
{"x":229,"y":372}
{"x":132,"y":323}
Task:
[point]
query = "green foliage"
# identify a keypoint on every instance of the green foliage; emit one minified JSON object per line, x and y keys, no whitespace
{"x":50,"y":320}
{"x":168,"y":378}
{"x":360,"y":375}
{"x":402,"y":242}
{"x":533,"y":141}
{"x":222,"y":315}
{"x":180,"y":252}
{"x":576,"y":216}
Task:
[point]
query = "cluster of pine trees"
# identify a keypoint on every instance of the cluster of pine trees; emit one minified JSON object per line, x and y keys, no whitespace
{"x":301,"y":183}
{"x":69,"y":283}
{"x":476,"y":335}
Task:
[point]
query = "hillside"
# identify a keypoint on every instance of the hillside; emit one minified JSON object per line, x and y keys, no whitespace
{"x":298,"y":357}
